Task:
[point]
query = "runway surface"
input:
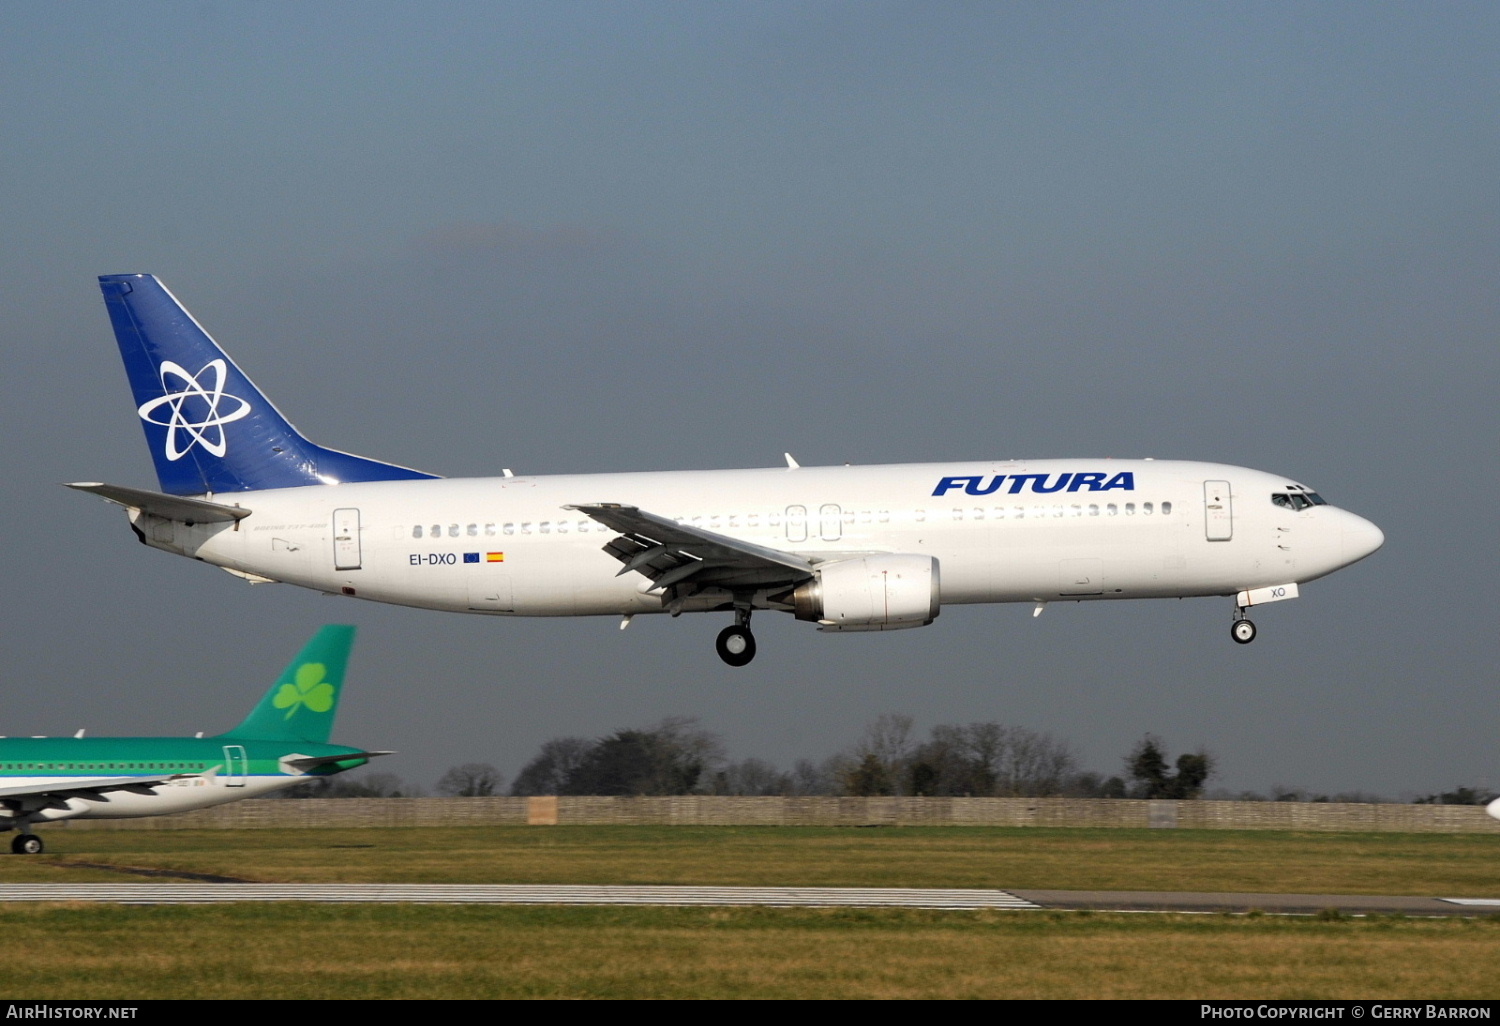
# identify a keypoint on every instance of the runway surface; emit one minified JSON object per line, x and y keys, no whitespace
{"x":1283,"y":904}
{"x":789,"y":897}
{"x":516,"y":894}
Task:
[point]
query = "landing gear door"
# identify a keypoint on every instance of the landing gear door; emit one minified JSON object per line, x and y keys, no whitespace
{"x":1218,"y":511}
{"x":489,"y":587}
{"x":346,"y":554}
{"x":1081,"y":577}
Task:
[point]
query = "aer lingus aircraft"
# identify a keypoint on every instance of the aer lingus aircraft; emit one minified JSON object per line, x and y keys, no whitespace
{"x":282,"y":742}
{"x":847,"y":548}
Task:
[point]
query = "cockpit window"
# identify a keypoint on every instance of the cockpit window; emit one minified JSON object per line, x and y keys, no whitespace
{"x":1297,"y":500}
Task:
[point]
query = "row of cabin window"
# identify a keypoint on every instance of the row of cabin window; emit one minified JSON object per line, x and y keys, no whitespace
{"x":830,"y":513}
{"x":1093,"y":509}
{"x":490,"y":530}
{"x":104,"y":766}
{"x":752,"y":520}
{"x":713,"y":520}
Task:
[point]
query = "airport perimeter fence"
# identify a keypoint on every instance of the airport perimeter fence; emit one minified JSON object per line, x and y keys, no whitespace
{"x":715,"y":810}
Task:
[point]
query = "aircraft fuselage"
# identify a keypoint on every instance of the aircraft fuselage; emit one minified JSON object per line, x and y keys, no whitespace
{"x":1013,"y":531}
{"x":191,"y":773}
{"x":849,"y":548}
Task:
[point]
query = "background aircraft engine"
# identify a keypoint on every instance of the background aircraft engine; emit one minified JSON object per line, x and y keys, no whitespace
{"x":873,"y":593}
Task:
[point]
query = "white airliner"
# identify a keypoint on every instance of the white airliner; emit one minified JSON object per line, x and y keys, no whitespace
{"x":846,"y":548}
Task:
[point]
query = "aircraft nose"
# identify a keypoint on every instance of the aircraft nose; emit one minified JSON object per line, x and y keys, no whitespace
{"x":1359,"y":537}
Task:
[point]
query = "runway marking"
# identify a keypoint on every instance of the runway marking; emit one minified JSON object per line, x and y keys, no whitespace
{"x":519,"y":894}
{"x":1472,"y":901}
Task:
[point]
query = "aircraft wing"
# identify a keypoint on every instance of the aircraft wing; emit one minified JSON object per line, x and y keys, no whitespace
{"x":168,"y":507}
{"x":94,"y":789}
{"x":669,"y":553}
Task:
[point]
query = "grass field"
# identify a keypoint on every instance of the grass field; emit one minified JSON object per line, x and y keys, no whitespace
{"x":1179,"y":860}
{"x":443,"y":951}
{"x":274,"y":951}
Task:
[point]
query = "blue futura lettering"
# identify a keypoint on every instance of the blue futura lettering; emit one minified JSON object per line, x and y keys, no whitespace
{"x":1091,"y":481}
{"x":948,"y":483}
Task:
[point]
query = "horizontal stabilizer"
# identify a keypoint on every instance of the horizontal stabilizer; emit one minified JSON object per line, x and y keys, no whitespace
{"x":168,"y":507}
{"x":308,"y":762}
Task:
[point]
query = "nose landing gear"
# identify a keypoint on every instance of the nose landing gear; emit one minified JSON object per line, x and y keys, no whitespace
{"x":1242,"y":631}
{"x":735,"y":644}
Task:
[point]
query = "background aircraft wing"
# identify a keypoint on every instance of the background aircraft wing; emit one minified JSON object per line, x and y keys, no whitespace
{"x":95,"y":789}
{"x":669,"y":553}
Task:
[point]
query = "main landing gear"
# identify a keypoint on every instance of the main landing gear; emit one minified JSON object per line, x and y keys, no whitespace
{"x":26,"y":844}
{"x":735,"y":644}
{"x":1242,"y":631}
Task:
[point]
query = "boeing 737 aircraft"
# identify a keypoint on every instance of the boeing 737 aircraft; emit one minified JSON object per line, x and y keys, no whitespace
{"x":847,"y":548}
{"x":282,"y":742}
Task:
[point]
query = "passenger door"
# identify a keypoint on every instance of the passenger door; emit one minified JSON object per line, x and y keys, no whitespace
{"x":346,"y":549}
{"x":1218,"y":511}
{"x":236,"y":765}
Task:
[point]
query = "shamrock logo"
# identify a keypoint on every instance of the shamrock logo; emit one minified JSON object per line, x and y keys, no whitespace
{"x":310,"y":690}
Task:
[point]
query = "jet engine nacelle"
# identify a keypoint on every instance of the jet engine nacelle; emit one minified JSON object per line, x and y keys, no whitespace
{"x":872,"y":593}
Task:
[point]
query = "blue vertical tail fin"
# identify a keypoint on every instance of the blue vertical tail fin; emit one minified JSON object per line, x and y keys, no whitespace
{"x":207,"y":425}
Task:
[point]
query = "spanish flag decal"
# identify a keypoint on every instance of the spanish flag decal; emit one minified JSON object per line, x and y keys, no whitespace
{"x":494,"y":557}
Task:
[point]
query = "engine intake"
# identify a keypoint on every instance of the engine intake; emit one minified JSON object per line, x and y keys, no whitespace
{"x":872,"y":593}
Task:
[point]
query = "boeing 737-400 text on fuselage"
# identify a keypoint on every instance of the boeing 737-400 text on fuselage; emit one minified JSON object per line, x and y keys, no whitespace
{"x":847,"y":548}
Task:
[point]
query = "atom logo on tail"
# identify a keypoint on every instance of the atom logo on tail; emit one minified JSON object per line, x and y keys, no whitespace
{"x":208,"y":429}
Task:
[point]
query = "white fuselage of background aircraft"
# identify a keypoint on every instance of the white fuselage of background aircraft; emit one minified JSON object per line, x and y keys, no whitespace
{"x":283,"y":742}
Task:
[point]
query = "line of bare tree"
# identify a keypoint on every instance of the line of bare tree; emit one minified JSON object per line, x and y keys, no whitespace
{"x":677,"y":756}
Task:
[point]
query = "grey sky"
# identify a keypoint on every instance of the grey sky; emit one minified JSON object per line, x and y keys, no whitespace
{"x":586,"y":237}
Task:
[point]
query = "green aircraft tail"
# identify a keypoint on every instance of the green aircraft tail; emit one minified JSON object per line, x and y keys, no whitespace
{"x":301,"y":705}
